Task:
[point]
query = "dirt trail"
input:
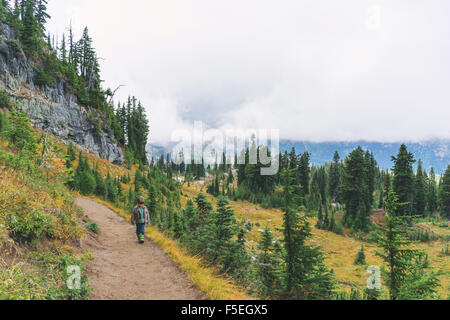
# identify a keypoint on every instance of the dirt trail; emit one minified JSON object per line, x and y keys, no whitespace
{"x":122,"y":269}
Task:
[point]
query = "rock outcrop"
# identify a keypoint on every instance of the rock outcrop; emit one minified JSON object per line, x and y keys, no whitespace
{"x":52,"y":109}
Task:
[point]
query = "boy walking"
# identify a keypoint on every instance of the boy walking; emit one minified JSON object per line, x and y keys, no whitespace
{"x":140,"y":217}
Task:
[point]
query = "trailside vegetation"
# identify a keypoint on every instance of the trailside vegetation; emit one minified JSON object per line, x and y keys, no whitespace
{"x":76,"y":63}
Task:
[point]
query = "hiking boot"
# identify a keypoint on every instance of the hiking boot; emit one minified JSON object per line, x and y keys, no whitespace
{"x":141,"y":238}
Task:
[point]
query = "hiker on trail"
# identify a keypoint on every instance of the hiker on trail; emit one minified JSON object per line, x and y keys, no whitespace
{"x":140,"y":217}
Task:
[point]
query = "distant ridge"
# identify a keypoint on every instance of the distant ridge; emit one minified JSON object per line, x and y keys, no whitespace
{"x":434,"y":154}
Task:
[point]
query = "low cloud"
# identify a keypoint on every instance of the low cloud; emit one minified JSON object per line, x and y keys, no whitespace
{"x":316,"y":70}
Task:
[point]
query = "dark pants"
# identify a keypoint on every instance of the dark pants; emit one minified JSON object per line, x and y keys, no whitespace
{"x":140,"y":229}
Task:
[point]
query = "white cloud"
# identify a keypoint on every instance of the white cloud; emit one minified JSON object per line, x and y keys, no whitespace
{"x":312,"y":69}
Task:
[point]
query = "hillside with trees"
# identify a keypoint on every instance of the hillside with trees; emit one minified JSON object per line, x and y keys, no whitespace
{"x":310,"y":232}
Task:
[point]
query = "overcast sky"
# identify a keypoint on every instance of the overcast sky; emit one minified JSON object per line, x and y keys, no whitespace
{"x":317,"y":70}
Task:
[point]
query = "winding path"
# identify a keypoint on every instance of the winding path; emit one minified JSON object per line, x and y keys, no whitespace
{"x":122,"y":269}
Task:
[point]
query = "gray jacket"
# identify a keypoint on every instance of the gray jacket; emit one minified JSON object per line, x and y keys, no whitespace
{"x":135,"y":215}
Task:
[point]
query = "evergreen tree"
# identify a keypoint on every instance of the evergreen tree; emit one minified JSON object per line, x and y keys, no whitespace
{"x":131,"y":198}
{"x":269,"y":265}
{"x":100,"y":189}
{"x":445,"y":194}
{"x":152,"y":204}
{"x":307,"y":275}
{"x":204,"y":208}
{"x":192,"y":220}
{"x":355,"y":191}
{"x":111,"y":189}
{"x":84,"y":179}
{"x":405,"y":276}
{"x":293,"y":161}
{"x":419,"y":191}
{"x":71,"y":153}
{"x":29,"y":33}
{"x":332,"y":226}
{"x":224,"y":221}
{"x":371,"y":166}
{"x":386,"y":188}
{"x":403,"y":183}
{"x":335,"y":177}
{"x":304,"y":172}
{"x":41,"y":17}
{"x":20,"y":133}
{"x":4,"y":8}
{"x":360,"y":257}
{"x":432,"y":199}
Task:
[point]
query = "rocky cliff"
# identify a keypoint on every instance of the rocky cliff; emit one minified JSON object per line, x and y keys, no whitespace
{"x":52,"y":109}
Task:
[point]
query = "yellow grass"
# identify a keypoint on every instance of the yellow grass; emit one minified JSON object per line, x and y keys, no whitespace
{"x":213,"y":285}
{"x":339,"y":251}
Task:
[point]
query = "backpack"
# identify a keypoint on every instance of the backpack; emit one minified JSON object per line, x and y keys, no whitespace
{"x":141,"y":215}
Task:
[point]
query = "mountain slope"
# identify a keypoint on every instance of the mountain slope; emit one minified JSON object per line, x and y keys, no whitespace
{"x":54,"y":109}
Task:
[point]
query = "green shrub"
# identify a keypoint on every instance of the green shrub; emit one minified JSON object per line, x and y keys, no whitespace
{"x":4,"y":99}
{"x":56,"y":272}
{"x":20,"y":133}
{"x":339,"y":229}
{"x":29,"y":226}
{"x":2,"y":123}
{"x":88,"y":184}
{"x":373,"y":237}
{"x":45,"y":74}
{"x":93,"y":226}
{"x":360,"y":257}
{"x":43,"y":78}
{"x":445,"y":251}
{"x":18,"y":284}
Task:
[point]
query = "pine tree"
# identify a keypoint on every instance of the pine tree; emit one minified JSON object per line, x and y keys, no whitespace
{"x":360,"y":257}
{"x":71,"y":152}
{"x":405,"y":274}
{"x":204,"y":208}
{"x":225,"y":224}
{"x":326,"y":220}
{"x":293,"y":161}
{"x":2,"y":123}
{"x":111,"y":189}
{"x":152,"y":204}
{"x":403,"y":184}
{"x":100,"y":189}
{"x":269,"y":265}
{"x":63,"y":49}
{"x":386,"y":187}
{"x":332,"y":226}
{"x":371,"y":166}
{"x":419,"y":191}
{"x":28,"y":35}
{"x":4,"y":7}
{"x":304,"y":172}
{"x":355,"y":191}
{"x":306,"y":274}
{"x":41,"y":17}
{"x":19,"y":131}
{"x":335,"y":177}
{"x":432,"y":199}
{"x":192,"y":220}
{"x":319,"y":224}
{"x":445,"y":194}
{"x":131,"y":198}
{"x":84,"y":179}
